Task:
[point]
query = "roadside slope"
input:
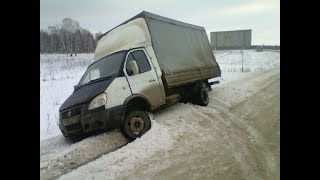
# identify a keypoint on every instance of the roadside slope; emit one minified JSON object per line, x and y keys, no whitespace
{"x":236,"y":136}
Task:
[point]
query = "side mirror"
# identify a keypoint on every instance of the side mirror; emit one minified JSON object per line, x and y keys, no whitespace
{"x":133,"y":66}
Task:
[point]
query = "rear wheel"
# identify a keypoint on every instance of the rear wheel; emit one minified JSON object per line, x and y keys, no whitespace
{"x":136,"y":123}
{"x":201,"y":96}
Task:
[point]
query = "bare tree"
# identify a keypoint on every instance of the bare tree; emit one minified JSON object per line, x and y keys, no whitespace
{"x":70,"y":26}
{"x":68,"y":37}
{"x":98,"y":36}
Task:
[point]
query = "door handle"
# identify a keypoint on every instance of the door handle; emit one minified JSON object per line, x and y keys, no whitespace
{"x":152,"y":80}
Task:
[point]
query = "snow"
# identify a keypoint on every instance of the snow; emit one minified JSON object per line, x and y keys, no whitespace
{"x":60,"y":156}
{"x":230,"y":62}
{"x":184,"y":140}
{"x":58,"y":75}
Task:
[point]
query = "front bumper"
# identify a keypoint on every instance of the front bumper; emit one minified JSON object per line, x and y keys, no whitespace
{"x":79,"y":120}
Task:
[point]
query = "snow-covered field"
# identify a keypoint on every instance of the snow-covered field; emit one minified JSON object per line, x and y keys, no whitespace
{"x":237,"y":136}
{"x":58,"y":75}
{"x":230,"y":62}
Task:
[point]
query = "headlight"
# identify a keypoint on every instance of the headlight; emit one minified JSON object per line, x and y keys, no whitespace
{"x":98,"y":101}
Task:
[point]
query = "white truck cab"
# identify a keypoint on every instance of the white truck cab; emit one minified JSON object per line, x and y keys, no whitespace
{"x":140,"y":66}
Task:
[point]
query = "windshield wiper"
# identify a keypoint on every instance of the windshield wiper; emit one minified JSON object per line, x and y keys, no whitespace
{"x":99,"y":79}
{"x":93,"y":81}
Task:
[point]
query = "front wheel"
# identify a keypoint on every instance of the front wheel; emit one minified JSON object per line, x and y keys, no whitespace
{"x":136,"y":123}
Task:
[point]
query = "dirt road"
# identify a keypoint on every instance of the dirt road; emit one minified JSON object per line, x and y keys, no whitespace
{"x":237,"y":136}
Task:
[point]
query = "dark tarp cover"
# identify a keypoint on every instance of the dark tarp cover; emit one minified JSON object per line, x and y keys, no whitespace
{"x":183,"y":50}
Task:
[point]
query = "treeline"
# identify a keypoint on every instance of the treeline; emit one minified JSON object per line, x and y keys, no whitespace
{"x":67,"y":38}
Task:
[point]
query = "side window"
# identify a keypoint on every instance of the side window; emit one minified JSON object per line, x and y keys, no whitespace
{"x":141,"y":60}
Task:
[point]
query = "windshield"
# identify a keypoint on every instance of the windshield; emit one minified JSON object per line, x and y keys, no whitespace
{"x":102,"y":68}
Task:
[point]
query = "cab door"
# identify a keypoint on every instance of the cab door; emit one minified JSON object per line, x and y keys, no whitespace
{"x":145,"y":82}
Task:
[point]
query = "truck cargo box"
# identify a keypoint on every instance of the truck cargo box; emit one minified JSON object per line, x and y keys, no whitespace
{"x":183,"y":50}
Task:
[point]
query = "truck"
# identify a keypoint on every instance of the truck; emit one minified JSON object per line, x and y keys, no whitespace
{"x":144,"y":64}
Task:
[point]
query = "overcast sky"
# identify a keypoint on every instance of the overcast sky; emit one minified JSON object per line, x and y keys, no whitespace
{"x":262,"y":16}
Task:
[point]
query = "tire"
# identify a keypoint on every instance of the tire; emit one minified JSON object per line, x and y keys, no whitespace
{"x":136,"y":123}
{"x":201,"y":97}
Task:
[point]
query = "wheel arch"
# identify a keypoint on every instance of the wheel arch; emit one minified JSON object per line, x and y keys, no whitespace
{"x":139,"y":101}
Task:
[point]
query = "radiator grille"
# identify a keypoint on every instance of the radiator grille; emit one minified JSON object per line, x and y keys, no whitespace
{"x":73,"y":127}
{"x":72,"y":112}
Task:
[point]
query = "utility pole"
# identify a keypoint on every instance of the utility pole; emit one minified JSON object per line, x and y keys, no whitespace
{"x":216,"y":40}
{"x":242,"y":51}
{"x":242,"y":58}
